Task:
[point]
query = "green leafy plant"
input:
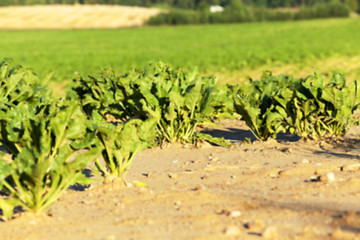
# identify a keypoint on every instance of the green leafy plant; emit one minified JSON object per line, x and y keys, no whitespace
{"x":308,"y":107}
{"x":340,"y":104}
{"x":300,"y":106}
{"x":176,"y":99}
{"x":253,"y":101}
{"x":120,"y":144}
{"x":100,"y":97}
{"x":19,"y":85}
{"x":316,"y":109}
{"x":44,"y":159}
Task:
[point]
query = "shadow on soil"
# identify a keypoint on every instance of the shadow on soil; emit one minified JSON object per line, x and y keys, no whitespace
{"x":82,"y":187}
{"x":348,"y":148}
{"x":239,"y":135}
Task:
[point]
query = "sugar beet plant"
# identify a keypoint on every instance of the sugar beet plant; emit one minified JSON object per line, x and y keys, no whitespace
{"x":44,"y":159}
{"x":176,"y":99}
{"x":120,"y":143}
{"x":308,"y":107}
{"x":254,"y":102}
{"x":19,"y":85}
{"x":317,"y":109}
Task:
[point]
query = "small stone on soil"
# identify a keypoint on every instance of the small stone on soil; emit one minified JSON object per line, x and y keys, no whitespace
{"x":173,"y":175}
{"x":305,"y":161}
{"x":272,"y":175}
{"x":254,"y":225}
{"x":269,"y":233}
{"x":232,"y":230}
{"x":286,"y":150}
{"x":213,"y":158}
{"x":235,"y":214}
{"x":327,"y":178}
{"x":225,"y":212}
{"x":198,"y":187}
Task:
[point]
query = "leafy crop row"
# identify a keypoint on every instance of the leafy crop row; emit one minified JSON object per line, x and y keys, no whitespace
{"x":107,"y":120}
{"x":177,"y":100}
{"x":308,"y":107}
{"x":48,"y":142}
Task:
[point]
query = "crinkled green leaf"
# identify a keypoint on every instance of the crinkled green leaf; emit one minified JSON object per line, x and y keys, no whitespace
{"x":7,"y":206}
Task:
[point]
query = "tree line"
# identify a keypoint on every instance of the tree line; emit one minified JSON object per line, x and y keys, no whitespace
{"x":188,"y":4}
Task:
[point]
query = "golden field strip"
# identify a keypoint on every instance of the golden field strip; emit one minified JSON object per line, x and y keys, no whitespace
{"x":73,"y":17}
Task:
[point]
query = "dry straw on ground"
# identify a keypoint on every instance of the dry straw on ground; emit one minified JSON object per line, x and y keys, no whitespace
{"x":73,"y":16}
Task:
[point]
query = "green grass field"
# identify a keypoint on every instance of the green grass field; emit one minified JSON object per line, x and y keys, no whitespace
{"x":213,"y":48}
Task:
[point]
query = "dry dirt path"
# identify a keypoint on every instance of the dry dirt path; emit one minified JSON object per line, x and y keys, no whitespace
{"x":279,"y":189}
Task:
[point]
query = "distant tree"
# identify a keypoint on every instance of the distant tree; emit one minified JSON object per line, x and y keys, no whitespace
{"x":260,"y":3}
{"x":236,"y":4}
{"x":7,"y":3}
{"x":202,"y":6}
{"x":353,"y":5}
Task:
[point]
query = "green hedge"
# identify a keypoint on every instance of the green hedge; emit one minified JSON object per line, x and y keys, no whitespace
{"x":250,"y":14}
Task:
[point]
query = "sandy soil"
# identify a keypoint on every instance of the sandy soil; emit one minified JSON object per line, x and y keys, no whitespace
{"x":73,"y":16}
{"x":279,"y":189}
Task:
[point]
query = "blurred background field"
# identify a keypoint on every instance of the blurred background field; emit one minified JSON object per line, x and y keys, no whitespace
{"x":234,"y":52}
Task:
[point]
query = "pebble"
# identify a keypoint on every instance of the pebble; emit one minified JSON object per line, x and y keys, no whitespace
{"x":235,"y":214}
{"x":254,"y":225}
{"x":213,"y":158}
{"x":195,"y":161}
{"x":313,"y":178}
{"x":232,"y":230}
{"x":287,"y":150}
{"x":86,"y":202}
{"x":146,"y":175}
{"x":269,"y":233}
{"x":225,"y":212}
{"x":173,"y":175}
{"x":199,"y":187}
{"x":305,"y":161}
{"x":286,"y":172}
{"x":327,"y":178}
{"x":282,"y":173}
